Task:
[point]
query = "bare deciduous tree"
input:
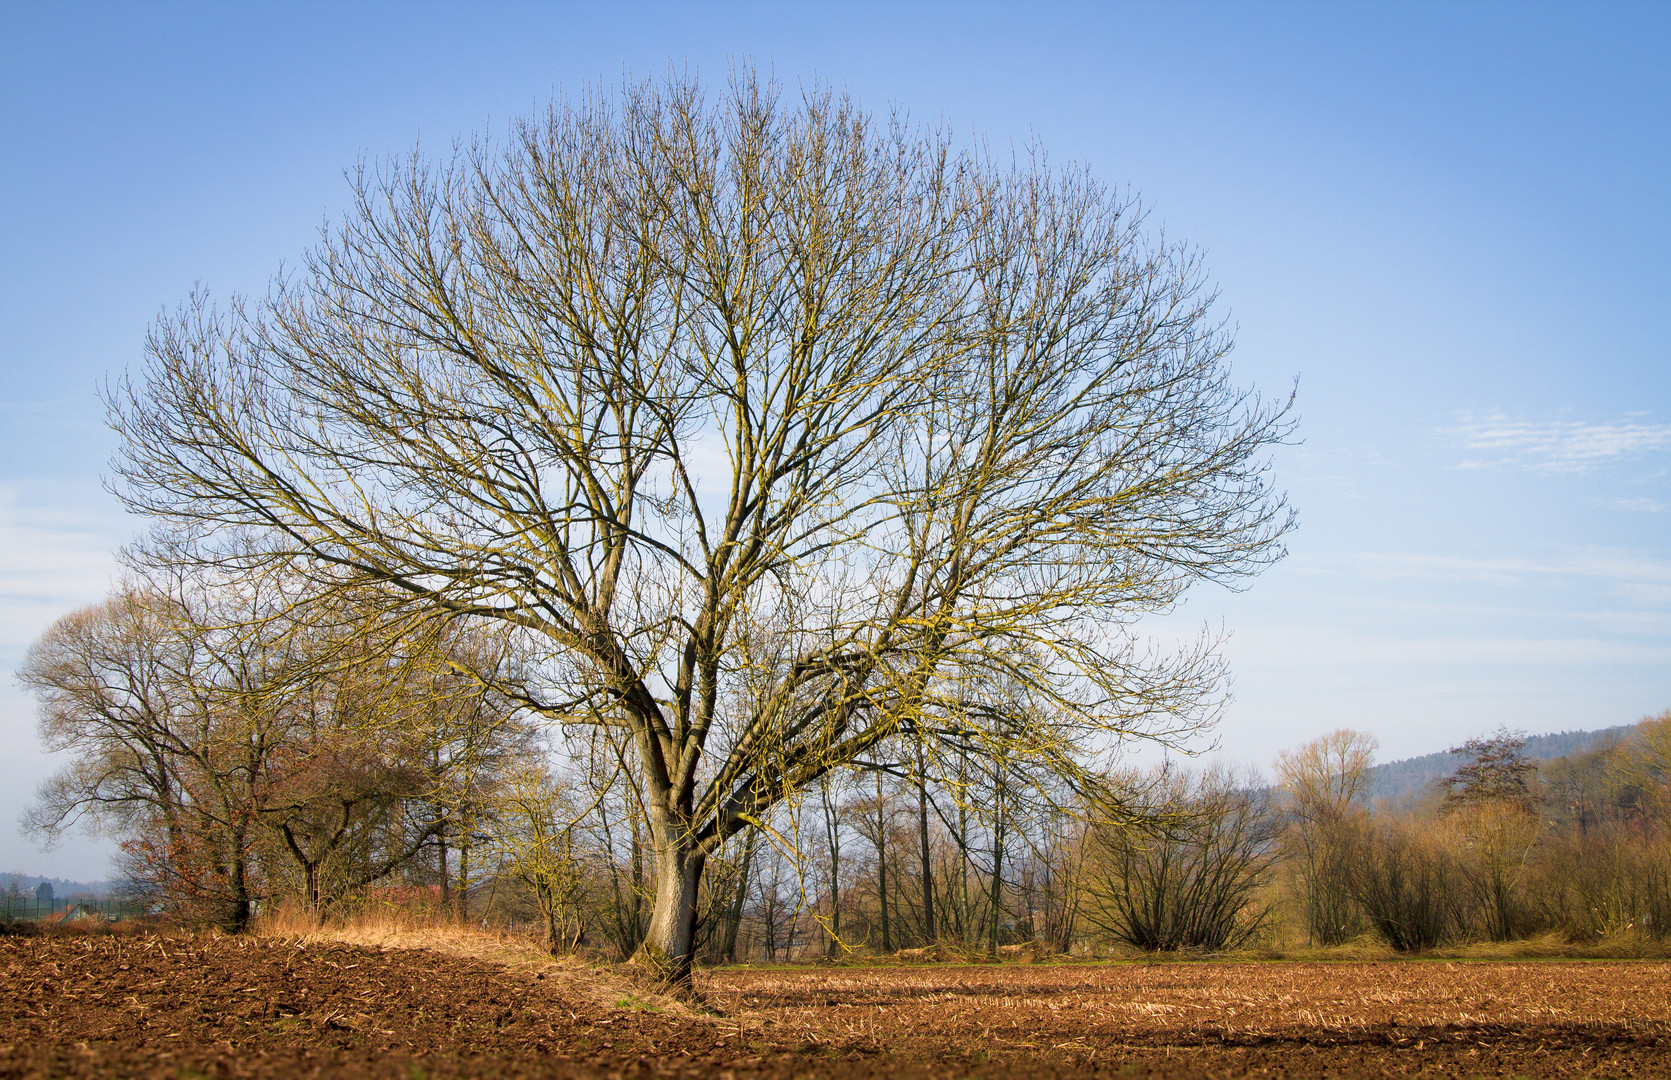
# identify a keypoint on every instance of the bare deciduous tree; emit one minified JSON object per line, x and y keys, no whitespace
{"x":1407,"y":882}
{"x":1324,"y":779}
{"x":1644,"y":763}
{"x":537,"y":815}
{"x":1495,"y":770}
{"x":1326,"y":775}
{"x":147,"y":705}
{"x":215,"y":721}
{"x":1491,"y":803}
{"x":1185,"y":872}
{"x":776,"y":422}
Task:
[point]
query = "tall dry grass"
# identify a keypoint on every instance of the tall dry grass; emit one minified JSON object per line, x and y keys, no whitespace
{"x":613,"y":986}
{"x":392,"y":927}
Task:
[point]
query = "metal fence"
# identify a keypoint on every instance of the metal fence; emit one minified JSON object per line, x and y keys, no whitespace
{"x":32,"y":909}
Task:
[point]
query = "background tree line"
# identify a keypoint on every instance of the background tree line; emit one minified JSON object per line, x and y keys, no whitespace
{"x":261,"y":743}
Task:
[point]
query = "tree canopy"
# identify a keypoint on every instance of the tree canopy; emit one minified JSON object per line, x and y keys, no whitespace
{"x":788,"y":429}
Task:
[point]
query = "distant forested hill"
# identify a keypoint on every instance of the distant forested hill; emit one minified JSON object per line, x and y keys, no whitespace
{"x":1396,"y":779}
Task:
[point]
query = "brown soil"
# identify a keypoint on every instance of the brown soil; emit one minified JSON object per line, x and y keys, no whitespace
{"x":160,"y":1006}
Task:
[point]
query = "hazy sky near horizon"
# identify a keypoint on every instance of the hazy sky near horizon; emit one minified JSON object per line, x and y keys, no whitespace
{"x":1449,"y":222}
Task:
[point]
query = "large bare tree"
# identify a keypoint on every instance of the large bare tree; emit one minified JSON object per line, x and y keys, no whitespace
{"x":786,"y":427}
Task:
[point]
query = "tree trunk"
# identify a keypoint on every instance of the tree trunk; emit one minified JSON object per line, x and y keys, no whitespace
{"x":635,"y":906}
{"x":238,"y":913}
{"x":461,"y":894}
{"x":997,"y":859}
{"x":769,"y":924}
{"x":442,"y":864}
{"x":734,"y":918}
{"x":832,"y":836}
{"x":670,"y":941}
{"x":312,"y":893}
{"x":929,"y":934}
{"x":315,"y":902}
{"x":790,"y":931}
{"x":882,"y":863}
{"x":965,"y":910}
{"x":545,"y":897}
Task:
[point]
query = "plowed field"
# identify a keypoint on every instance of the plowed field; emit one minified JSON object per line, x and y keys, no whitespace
{"x":213,"y":1006}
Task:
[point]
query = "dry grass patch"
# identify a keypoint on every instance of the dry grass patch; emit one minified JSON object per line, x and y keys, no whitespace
{"x":399,"y":928}
{"x":613,"y":986}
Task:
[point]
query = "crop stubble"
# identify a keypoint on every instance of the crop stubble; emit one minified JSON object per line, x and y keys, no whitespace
{"x":160,"y":1006}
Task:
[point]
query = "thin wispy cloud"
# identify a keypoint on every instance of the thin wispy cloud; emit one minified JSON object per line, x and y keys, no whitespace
{"x":1283,"y":648}
{"x":52,"y":559}
{"x":55,"y":555}
{"x":1495,"y":440}
{"x":1641,"y":578}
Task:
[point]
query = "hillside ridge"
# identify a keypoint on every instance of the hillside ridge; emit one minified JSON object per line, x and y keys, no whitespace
{"x":1408,"y":776}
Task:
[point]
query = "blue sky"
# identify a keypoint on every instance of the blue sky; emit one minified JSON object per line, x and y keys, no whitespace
{"x":1449,"y":221}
